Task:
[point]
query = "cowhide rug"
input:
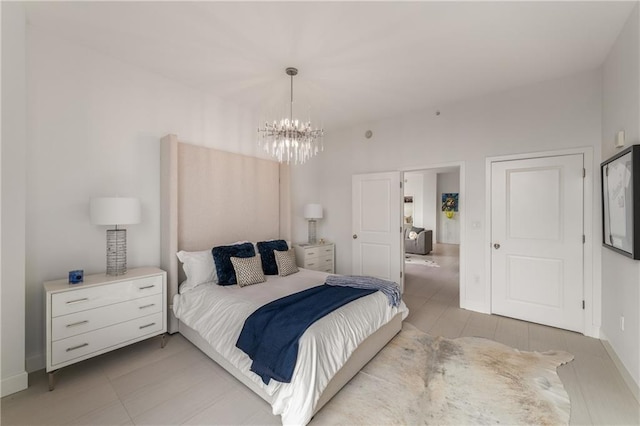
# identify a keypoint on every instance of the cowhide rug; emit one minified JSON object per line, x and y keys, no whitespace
{"x":418,"y":379}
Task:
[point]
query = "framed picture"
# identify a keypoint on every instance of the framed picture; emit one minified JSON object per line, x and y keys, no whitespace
{"x":621,"y":202}
{"x":450,"y":202}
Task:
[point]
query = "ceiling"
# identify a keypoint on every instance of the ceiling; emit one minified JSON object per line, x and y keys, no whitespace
{"x":358,"y":61}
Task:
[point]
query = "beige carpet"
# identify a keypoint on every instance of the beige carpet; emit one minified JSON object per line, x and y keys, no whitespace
{"x":417,"y":379}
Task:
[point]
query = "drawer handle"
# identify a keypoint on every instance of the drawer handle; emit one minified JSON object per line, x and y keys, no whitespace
{"x":311,"y":264}
{"x":148,"y":325}
{"x":77,"y":347}
{"x":77,"y":323}
{"x":84,"y":299}
{"x":146,"y":287}
{"x":309,"y":253}
{"x":147,"y":306}
{"x":328,"y":260}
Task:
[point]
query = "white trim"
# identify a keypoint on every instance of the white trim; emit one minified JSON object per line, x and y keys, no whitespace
{"x":14,"y":384}
{"x":487,"y":235}
{"x":626,"y":376}
{"x":464,"y":303}
{"x":541,"y":154}
{"x":474,"y":305}
{"x":591,"y":326}
{"x":589,"y":323}
{"x":451,"y":164}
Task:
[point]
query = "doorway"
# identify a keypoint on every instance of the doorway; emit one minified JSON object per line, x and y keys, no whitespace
{"x":432,"y":232}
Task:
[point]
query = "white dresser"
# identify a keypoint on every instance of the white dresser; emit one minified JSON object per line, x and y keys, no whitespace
{"x":102,"y":314}
{"x":319,"y":257}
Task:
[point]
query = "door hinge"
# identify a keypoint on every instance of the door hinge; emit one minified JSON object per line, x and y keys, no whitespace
{"x":400,"y":274}
{"x":606,"y":170}
{"x":401,"y":229}
{"x":584,"y":173}
{"x":583,"y":304}
{"x":584,"y":239}
{"x":401,"y":184}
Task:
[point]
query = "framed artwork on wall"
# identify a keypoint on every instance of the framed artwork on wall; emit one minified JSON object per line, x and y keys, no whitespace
{"x":449,"y":203}
{"x":621,"y":202}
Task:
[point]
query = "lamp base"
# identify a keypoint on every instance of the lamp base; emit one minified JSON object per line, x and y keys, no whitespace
{"x":116,"y":251}
{"x":312,"y":231}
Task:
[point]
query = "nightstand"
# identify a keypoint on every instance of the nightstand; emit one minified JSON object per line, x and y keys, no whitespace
{"x":319,"y":257}
{"x":102,"y":314}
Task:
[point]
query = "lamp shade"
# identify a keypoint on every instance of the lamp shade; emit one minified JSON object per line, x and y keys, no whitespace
{"x":313,"y":211}
{"x":115,"y":211}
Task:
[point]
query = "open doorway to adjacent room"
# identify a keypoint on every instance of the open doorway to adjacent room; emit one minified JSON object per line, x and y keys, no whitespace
{"x":432,"y":220}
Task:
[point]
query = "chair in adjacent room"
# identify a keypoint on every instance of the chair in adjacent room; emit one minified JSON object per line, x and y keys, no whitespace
{"x":418,"y":240}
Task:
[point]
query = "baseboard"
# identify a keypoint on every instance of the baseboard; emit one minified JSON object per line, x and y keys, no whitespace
{"x":474,"y":306}
{"x":35,"y":363}
{"x":631,"y":384}
{"x":593,"y":331}
{"x":14,"y":384}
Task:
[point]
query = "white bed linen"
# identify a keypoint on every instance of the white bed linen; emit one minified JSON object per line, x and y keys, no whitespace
{"x":218,"y":313}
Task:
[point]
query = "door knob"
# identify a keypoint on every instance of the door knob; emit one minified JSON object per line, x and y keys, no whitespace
{"x":355,"y":236}
{"x":496,"y":246}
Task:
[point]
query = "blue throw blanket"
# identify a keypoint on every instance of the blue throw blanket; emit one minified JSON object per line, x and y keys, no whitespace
{"x":389,"y":288}
{"x":270,"y":335}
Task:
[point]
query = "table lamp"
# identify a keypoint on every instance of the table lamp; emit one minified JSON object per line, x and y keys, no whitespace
{"x":115,"y":211}
{"x":312,"y":212}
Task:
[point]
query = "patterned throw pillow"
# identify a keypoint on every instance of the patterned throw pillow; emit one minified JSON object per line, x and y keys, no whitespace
{"x":248,"y":270}
{"x":286,"y":261}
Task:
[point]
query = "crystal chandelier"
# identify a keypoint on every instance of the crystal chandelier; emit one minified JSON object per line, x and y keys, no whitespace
{"x":291,"y":140}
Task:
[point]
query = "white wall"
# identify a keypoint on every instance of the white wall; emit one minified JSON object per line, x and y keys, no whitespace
{"x":448,"y":228}
{"x":546,"y":116}
{"x":13,"y":182}
{"x":621,"y":275}
{"x":94,"y":130}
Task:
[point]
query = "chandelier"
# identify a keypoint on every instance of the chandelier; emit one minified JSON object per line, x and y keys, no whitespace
{"x":291,"y":140}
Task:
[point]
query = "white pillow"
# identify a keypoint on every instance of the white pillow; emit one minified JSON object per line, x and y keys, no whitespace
{"x":198,"y":267}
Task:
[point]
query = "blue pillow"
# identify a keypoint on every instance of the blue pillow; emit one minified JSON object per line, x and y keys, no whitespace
{"x":222,"y":258}
{"x":266,"y":248}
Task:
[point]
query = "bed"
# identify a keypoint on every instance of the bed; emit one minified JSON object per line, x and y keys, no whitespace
{"x":196,"y":185}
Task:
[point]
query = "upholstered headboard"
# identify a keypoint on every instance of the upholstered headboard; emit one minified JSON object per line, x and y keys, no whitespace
{"x":211,"y":197}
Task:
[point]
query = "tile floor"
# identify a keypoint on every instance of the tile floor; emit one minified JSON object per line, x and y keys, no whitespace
{"x":146,"y":385}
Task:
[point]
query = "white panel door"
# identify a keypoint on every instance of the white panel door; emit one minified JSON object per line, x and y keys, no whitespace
{"x":537,"y":240}
{"x":377,"y":226}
